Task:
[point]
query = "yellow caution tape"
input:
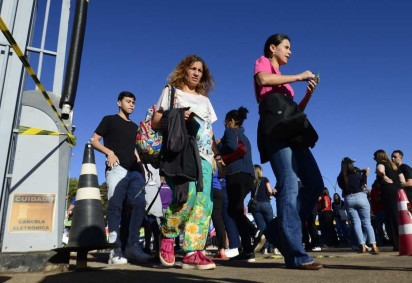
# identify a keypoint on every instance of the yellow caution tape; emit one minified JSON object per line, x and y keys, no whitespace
{"x":70,"y":137}
{"x":35,"y":131}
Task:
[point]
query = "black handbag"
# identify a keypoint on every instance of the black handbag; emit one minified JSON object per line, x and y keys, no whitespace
{"x":251,"y":205}
{"x":281,"y":118}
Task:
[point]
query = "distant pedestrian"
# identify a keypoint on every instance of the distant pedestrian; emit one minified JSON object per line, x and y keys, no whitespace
{"x":390,"y":179}
{"x":263,"y":192}
{"x":397,"y":158}
{"x":352,"y":181}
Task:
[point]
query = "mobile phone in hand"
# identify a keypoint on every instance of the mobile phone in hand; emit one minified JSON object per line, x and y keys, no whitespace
{"x":317,"y":78}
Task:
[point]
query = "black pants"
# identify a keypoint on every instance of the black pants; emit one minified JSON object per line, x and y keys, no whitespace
{"x":218,"y":219}
{"x":326,"y":221}
{"x":238,"y":187}
{"x":390,"y":200}
{"x":309,"y":230}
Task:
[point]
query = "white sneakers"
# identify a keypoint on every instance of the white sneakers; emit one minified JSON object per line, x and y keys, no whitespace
{"x":316,"y":249}
{"x":116,"y":257}
{"x":231,"y":252}
{"x":276,"y":251}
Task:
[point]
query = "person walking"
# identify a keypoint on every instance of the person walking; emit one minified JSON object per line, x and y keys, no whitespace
{"x":289,"y":161}
{"x":340,"y":217}
{"x":263,"y":192}
{"x":239,"y":182}
{"x":192,"y":204}
{"x":124,"y":177}
{"x":352,"y":181}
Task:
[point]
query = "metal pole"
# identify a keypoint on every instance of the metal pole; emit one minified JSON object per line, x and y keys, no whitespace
{"x":75,"y":56}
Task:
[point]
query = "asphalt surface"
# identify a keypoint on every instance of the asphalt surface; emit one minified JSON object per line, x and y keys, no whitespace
{"x":340,"y":265}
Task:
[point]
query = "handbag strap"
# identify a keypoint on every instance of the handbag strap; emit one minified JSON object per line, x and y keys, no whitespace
{"x":257,"y":187}
{"x":154,"y":199}
{"x":172,"y":95}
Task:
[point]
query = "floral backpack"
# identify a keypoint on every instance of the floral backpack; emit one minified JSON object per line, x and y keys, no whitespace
{"x":148,"y":140}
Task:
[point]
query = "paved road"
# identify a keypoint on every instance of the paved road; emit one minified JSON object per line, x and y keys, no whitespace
{"x":340,"y":265}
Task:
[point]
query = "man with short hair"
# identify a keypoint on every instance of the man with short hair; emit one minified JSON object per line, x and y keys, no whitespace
{"x":124,"y":178}
{"x":397,"y":158}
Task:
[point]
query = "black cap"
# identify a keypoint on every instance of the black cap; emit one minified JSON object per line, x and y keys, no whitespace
{"x":348,"y":160}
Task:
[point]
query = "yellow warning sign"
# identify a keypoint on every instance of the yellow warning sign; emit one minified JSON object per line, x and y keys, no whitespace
{"x":32,"y":213}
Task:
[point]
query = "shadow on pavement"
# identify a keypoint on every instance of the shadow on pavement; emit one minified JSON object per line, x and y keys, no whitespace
{"x":137,"y":276}
{"x":359,"y":267}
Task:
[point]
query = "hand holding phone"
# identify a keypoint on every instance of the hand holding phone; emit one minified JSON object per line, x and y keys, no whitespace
{"x":317,"y":78}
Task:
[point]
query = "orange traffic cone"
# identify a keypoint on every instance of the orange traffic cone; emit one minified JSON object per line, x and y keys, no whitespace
{"x":88,"y":225}
{"x":405,"y":225}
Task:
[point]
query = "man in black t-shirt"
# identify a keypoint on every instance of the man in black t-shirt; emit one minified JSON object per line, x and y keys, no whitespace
{"x":124,"y":177}
{"x":397,"y":157}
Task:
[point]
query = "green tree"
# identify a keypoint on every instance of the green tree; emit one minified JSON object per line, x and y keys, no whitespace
{"x":103,"y":197}
{"x":73,"y":185}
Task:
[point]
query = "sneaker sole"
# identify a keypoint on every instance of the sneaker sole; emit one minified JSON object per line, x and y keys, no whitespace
{"x":165,"y":263}
{"x":260,"y":245}
{"x":251,"y":260}
{"x":199,"y":267}
{"x":116,"y":263}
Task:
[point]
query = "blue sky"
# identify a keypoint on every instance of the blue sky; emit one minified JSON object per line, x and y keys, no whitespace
{"x":362,"y":50}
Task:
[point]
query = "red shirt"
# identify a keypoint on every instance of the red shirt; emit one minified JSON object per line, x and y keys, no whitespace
{"x":324,"y":204}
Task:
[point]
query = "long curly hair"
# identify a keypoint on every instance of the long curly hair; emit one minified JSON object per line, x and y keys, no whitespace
{"x":178,"y":77}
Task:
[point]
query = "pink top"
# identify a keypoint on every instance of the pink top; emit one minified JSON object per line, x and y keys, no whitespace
{"x":263,"y":64}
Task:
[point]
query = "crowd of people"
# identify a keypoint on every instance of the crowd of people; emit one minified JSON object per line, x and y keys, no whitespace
{"x":181,"y":206}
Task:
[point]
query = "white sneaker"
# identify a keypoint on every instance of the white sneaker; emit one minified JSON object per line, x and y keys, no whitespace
{"x":276,"y":251}
{"x":316,"y":249}
{"x":265,"y":251}
{"x":116,"y":257}
{"x":231,"y":252}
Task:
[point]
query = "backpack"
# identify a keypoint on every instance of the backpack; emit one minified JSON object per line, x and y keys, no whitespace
{"x":148,"y":140}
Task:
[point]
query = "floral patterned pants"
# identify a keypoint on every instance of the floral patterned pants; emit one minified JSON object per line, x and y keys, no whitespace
{"x":193,"y":216}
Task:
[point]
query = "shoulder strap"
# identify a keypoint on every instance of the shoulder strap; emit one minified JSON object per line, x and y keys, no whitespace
{"x":172,"y":95}
{"x":257,"y":187}
{"x":154,"y":199}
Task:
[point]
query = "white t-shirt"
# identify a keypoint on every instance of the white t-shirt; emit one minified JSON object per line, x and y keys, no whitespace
{"x":205,"y":115}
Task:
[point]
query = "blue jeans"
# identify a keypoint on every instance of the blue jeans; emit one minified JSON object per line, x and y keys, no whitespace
{"x":124,"y":184}
{"x":289,"y":164}
{"x":263,"y":215}
{"x":359,"y":213}
{"x":230,"y":224}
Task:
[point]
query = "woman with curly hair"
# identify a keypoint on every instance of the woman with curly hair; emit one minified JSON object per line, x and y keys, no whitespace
{"x":192,"y":81}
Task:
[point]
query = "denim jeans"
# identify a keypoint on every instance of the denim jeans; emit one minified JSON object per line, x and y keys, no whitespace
{"x":124,"y":184}
{"x":289,"y":164}
{"x":263,"y":215}
{"x":359,"y":213}
{"x":230,"y":224}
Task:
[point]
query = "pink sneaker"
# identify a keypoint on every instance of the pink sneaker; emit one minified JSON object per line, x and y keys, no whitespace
{"x":167,"y":252}
{"x":197,"y":261}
